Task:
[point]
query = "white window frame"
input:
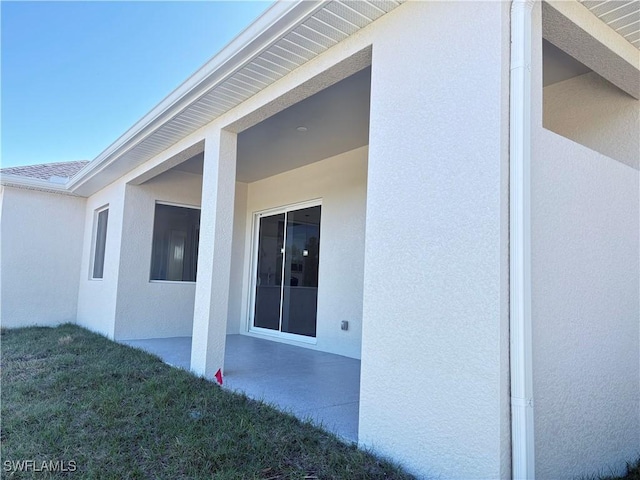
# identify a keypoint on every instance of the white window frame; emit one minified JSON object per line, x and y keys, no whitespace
{"x":94,"y":242}
{"x":255,"y":232}
{"x":170,"y":204}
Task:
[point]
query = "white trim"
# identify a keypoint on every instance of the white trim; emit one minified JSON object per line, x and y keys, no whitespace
{"x":18,"y":181}
{"x":283,"y":272}
{"x":521,"y":366}
{"x":94,"y":240}
{"x":187,"y":110}
{"x":265,"y":332}
{"x":153,"y":229}
{"x":172,"y":204}
{"x":314,"y":202}
{"x":267,"y":30}
{"x":253,"y":266}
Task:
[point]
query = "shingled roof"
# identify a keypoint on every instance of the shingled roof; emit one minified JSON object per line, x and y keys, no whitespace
{"x":45,"y":171}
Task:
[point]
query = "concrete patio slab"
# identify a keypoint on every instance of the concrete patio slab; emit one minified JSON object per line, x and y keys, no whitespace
{"x":311,"y":385}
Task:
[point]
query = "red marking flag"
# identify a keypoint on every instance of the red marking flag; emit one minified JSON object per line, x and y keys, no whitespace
{"x":218,"y":376}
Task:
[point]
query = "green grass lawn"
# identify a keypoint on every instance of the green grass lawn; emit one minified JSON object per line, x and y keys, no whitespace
{"x":108,"y":411}
{"x":633,"y":472}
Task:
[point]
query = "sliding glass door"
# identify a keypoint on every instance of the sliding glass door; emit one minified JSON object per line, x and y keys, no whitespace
{"x":286,"y":271}
{"x":269,"y":276}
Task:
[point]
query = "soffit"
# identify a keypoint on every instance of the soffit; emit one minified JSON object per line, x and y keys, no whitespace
{"x":574,"y":29}
{"x":328,"y":24}
{"x":623,"y":16}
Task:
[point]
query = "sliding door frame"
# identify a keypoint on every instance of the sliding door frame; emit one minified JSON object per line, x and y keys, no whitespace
{"x":253,"y":265}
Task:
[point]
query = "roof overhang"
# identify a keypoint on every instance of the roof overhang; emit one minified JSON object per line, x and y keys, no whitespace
{"x":286,"y":36}
{"x":29,"y":183}
{"x":579,"y":32}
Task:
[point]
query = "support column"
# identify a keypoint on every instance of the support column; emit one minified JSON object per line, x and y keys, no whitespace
{"x":435,"y":245}
{"x":214,"y":253}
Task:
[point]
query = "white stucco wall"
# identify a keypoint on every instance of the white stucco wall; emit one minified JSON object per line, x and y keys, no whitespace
{"x":434,"y":390}
{"x":585,"y":310}
{"x":41,"y":251}
{"x":340,"y":182}
{"x":236,"y":290}
{"x":591,"y":111}
{"x":97,"y":298}
{"x":585,"y":276}
{"x":431,"y":300}
{"x":147,"y":309}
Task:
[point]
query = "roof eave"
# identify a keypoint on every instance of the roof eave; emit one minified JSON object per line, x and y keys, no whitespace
{"x":268,"y":28}
{"x":30,"y":183}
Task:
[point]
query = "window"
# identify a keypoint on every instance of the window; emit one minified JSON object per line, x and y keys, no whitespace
{"x":101,"y":218}
{"x":174,"y":255}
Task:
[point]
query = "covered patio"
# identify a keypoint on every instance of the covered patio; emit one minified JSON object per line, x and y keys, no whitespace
{"x":312,"y":385}
{"x":288,"y":249}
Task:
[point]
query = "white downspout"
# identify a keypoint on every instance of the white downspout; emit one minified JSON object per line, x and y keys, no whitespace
{"x":522,"y":440}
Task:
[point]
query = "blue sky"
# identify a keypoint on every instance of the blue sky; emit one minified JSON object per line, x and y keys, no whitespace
{"x":76,"y":75}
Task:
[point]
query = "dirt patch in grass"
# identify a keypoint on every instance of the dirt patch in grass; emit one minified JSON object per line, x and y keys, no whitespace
{"x":77,"y":401}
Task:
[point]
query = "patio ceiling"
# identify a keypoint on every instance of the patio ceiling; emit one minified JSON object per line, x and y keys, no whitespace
{"x":336,"y":120}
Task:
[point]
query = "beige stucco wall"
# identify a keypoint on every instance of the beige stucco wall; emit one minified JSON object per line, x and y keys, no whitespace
{"x":147,"y":309}
{"x":41,"y":247}
{"x":434,"y":386}
{"x":433,"y":266}
{"x":584,"y":310}
{"x":340,"y":183}
{"x":97,"y":298}
{"x":585,"y":276}
{"x":237,"y":291}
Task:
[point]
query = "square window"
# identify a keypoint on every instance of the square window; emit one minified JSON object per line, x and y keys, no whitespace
{"x":176,"y":232}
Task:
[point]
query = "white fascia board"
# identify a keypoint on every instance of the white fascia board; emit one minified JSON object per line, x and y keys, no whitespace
{"x":262,"y":33}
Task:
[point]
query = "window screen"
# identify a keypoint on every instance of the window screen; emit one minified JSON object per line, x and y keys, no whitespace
{"x":174,"y":254}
